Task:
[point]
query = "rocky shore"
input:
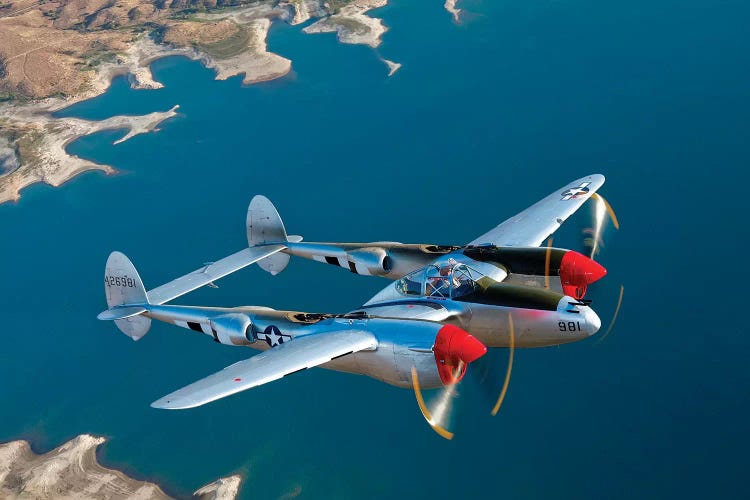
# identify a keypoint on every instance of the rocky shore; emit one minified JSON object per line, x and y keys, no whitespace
{"x":450,"y":6}
{"x":351,"y":25}
{"x":41,"y":139}
{"x":72,"y":471}
{"x":57,"y":53}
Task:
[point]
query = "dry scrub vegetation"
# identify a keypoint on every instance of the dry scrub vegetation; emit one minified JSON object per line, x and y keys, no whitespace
{"x":52,"y":48}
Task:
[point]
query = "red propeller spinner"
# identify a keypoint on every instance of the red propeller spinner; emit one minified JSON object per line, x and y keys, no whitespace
{"x":577,"y":272}
{"x":454,"y":349}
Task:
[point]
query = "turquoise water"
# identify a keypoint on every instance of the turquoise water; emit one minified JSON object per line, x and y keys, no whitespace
{"x":493,"y":114}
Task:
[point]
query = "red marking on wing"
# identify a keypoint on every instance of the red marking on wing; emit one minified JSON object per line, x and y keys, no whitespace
{"x":238,"y":380}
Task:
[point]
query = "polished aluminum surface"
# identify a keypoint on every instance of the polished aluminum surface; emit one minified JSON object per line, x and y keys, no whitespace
{"x":210,"y":273}
{"x":392,"y":333}
{"x":305,"y":352}
{"x":532,"y":226}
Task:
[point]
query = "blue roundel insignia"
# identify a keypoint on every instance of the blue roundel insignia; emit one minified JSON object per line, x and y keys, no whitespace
{"x":573,"y":193}
{"x":273,"y":336}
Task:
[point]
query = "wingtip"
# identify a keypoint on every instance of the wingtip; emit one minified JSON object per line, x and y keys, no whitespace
{"x":170,"y":402}
{"x":166,"y":404}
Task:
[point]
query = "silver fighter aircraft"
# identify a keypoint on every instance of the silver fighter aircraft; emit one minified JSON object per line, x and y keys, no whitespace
{"x":509,"y":253}
{"x":446,"y":306}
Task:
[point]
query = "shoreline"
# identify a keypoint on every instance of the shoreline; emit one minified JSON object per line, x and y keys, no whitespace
{"x":47,"y":159}
{"x":40,"y":154}
{"x":38,"y":140}
{"x":72,"y":469}
{"x":450,"y":6}
{"x":352,"y":25}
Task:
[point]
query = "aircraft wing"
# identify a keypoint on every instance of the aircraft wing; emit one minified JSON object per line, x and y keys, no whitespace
{"x":535,"y":224}
{"x":210,"y":272}
{"x":273,"y":364}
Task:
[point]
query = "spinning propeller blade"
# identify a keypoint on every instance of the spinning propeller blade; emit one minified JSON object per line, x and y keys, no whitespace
{"x":504,"y":390}
{"x":602,"y":209}
{"x":547,"y":258}
{"x":443,"y":432}
{"x":614,"y":316}
{"x":438,"y":418}
{"x":454,"y":350}
{"x":602,"y":212}
{"x":579,"y":270}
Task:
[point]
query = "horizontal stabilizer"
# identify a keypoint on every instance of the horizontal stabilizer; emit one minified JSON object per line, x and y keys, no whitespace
{"x":273,"y":364}
{"x":210,"y":272}
{"x":120,"y":312}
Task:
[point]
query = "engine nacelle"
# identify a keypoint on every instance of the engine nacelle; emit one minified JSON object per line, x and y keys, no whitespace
{"x":233,"y":329}
{"x":371,"y":261}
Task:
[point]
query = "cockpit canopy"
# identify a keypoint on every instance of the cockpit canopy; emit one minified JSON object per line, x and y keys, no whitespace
{"x":441,"y":281}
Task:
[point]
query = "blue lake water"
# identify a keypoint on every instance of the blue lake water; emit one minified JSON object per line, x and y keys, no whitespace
{"x":483,"y":119}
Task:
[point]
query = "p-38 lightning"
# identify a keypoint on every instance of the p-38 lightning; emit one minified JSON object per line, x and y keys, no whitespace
{"x":445,"y":307}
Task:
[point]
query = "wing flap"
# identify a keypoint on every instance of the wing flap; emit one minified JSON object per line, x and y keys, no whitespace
{"x":273,"y":364}
{"x":211,"y":272}
{"x":535,"y":224}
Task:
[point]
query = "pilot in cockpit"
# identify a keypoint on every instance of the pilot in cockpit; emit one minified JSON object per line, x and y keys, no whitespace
{"x":440,"y":285}
{"x":462,"y":279}
{"x":437,"y":285}
{"x":448,"y":280}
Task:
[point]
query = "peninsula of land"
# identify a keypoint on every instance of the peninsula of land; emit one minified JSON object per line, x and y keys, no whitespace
{"x":59,"y":52}
{"x":72,"y":471}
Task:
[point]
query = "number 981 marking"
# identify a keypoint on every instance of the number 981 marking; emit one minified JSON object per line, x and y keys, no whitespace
{"x":569,"y":326}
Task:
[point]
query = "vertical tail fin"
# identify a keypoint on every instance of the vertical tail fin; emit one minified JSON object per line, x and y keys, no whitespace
{"x":123,"y":287}
{"x":264,"y":223}
{"x":264,"y":226}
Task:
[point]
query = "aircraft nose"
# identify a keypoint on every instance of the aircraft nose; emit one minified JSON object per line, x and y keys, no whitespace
{"x":592,"y":321}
